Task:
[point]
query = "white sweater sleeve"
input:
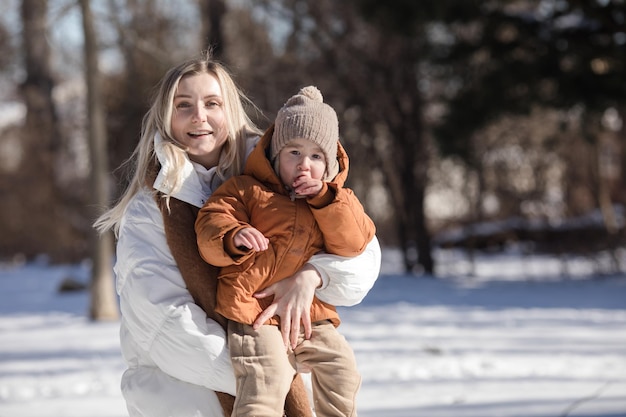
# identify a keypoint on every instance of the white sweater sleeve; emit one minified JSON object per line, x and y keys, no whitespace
{"x":158,"y":311}
{"x":346,"y":281}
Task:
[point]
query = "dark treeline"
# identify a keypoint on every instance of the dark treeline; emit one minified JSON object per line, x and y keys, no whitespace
{"x":453,"y":111}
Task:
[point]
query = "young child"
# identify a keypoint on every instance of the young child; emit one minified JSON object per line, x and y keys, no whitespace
{"x":263,"y":226}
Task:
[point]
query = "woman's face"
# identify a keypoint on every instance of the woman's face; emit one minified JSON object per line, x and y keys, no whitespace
{"x":198,"y":119}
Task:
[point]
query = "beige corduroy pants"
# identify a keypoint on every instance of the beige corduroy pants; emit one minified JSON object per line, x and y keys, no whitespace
{"x":264,"y":370}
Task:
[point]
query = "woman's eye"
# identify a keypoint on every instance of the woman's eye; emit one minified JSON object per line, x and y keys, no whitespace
{"x":182,"y":105}
{"x":212,"y":104}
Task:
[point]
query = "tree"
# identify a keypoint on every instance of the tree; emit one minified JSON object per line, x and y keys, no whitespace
{"x":507,"y":59}
{"x":103,"y":301}
{"x":38,"y":219}
{"x":7,"y":54}
{"x":512,"y":57}
{"x":370,"y":76}
{"x":378,"y":68}
{"x":212,"y":12}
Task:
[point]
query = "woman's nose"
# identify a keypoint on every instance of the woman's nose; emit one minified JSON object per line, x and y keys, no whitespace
{"x":199,"y":115}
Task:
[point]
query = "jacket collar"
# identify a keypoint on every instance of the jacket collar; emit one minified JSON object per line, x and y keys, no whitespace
{"x":195,"y":180}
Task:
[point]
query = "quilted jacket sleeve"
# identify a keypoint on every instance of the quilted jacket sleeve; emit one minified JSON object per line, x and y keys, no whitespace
{"x":159,"y":313}
{"x":347,"y":280}
{"x":223,"y":215}
{"x":341,"y":217}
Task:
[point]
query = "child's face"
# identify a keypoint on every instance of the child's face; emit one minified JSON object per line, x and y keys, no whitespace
{"x":198,"y":119}
{"x":301,"y":158}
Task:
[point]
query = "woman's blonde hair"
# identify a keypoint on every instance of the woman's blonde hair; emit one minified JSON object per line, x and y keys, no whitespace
{"x":158,"y":120}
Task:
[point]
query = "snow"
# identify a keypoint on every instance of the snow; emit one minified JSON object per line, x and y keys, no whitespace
{"x":516,"y":338}
{"x":11,"y":113}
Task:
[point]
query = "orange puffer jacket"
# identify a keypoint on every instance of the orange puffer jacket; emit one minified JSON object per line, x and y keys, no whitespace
{"x":334,"y":221}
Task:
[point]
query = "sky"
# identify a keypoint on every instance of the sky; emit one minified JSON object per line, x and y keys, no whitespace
{"x":516,"y":338}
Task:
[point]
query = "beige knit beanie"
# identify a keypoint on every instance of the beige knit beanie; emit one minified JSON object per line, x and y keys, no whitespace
{"x":306,"y":116}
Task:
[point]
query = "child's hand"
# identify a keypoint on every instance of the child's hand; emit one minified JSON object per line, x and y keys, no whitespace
{"x":307,"y":186}
{"x":251,"y":238}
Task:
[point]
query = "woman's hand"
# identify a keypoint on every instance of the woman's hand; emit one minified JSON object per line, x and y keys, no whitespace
{"x":293,"y":297}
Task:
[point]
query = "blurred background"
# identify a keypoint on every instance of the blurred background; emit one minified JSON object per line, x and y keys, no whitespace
{"x":486,"y":140}
{"x":469,"y":124}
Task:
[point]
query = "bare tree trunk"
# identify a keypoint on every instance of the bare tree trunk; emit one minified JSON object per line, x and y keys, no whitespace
{"x":39,"y":217}
{"x":405,"y":120}
{"x":212,"y":12}
{"x":103,"y":301}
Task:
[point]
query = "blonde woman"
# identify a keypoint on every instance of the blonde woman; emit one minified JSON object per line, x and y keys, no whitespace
{"x":196,"y":135}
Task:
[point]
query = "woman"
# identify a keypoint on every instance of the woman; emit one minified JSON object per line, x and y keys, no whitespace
{"x":195,"y":135}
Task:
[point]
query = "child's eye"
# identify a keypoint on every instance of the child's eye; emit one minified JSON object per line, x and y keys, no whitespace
{"x":317,"y":156}
{"x":295,"y":152}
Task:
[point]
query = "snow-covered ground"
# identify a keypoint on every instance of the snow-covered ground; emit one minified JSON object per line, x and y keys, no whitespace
{"x":514,"y":339}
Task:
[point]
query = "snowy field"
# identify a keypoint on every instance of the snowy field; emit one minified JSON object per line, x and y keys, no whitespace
{"x":514,"y":339}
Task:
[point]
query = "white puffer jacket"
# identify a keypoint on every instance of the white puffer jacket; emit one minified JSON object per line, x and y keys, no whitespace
{"x":176,"y":356}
